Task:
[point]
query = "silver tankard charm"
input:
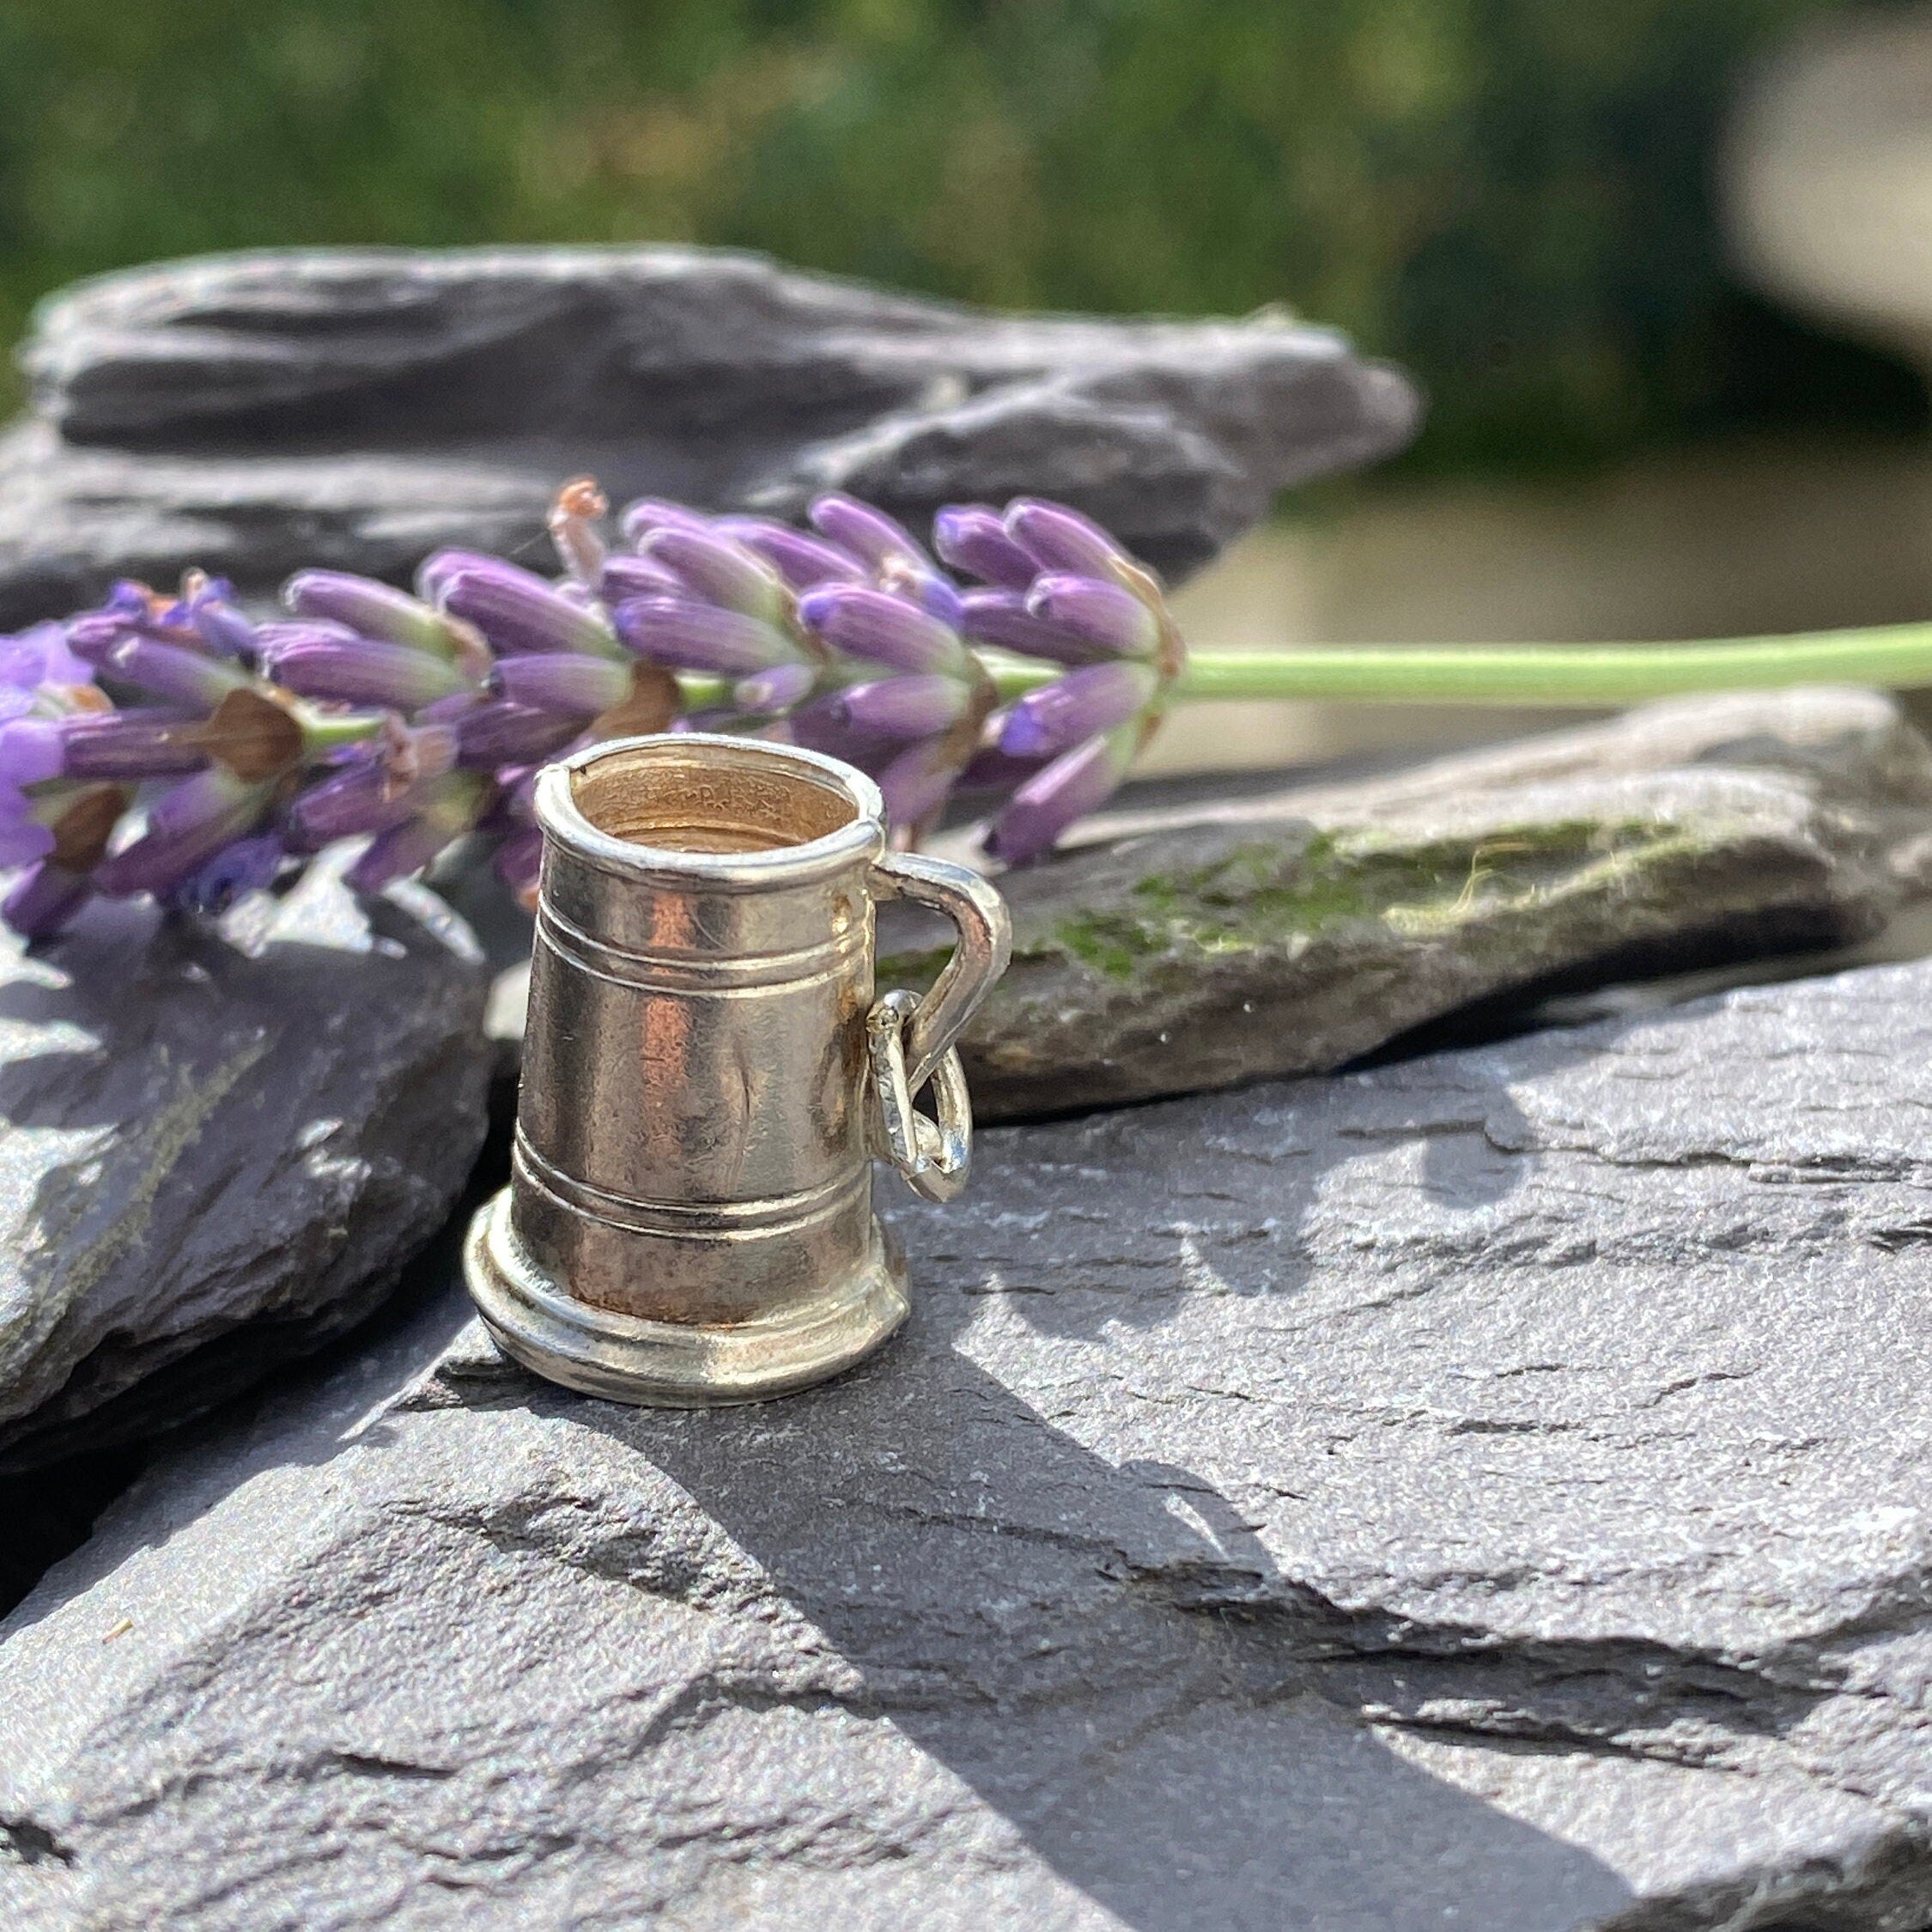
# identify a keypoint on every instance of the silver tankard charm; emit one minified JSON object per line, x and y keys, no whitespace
{"x":707,"y":1077}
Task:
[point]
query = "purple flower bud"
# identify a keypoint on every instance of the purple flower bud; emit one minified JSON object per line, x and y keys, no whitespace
{"x":937,"y":596}
{"x":991,"y":769}
{"x":247,"y":864}
{"x":207,"y":609}
{"x":818,"y":725}
{"x":1108,"y":618}
{"x":776,"y":690}
{"x":654,"y":513}
{"x":328,"y":660}
{"x":174,"y":672}
{"x":1085,"y":702}
{"x":801,"y":560}
{"x":876,"y":625}
{"x":186,"y":827}
{"x":92,"y":635}
{"x":376,"y":609}
{"x":1001,"y":617}
{"x":128,"y":745}
{"x":915,"y":784}
{"x":1073,"y":785}
{"x":349,"y":804}
{"x":41,"y":655}
{"x":519,"y":860}
{"x":869,"y":535}
{"x":625,"y":577}
{"x":45,"y":900}
{"x":1058,"y":539}
{"x":718,"y":571}
{"x":31,"y":750}
{"x":502,"y":733}
{"x":692,"y":636}
{"x":563,"y":681}
{"x":515,"y":609}
{"x":445,"y":809}
{"x":970,"y":536}
{"x":919,"y":706}
{"x":398,"y":852}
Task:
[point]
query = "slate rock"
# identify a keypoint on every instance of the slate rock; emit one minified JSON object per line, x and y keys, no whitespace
{"x":258,"y":412}
{"x":219,"y":1146}
{"x":1288,"y":934}
{"x":1488,"y":1490}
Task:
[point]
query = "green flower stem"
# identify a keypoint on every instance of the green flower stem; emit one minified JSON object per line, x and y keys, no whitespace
{"x":1896,"y":655}
{"x":325,"y":731}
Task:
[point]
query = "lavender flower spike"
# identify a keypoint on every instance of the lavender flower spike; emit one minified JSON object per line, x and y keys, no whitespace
{"x":207,"y":607}
{"x":174,"y":673}
{"x":768,"y":692}
{"x":915,"y":784}
{"x":1086,"y":703}
{"x":445,"y":809}
{"x":186,"y":829}
{"x":1058,"y":539}
{"x":655,"y":512}
{"x":1104,"y":615}
{"x":351,"y":803}
{"x":718,"y":571}
{"x":515,"y":609}
{"x":502,"y":733}
{"x":916,"y":706}
{"x":971,"y":537}
{"x":376,"y":609}
{"x":692,"y":636}
{"x":876,"y":625}
{"x":1073,"y":785}
{"x":327,"y":660}
{"x":563,"y":681}
{"x":247,"y":864}
{"x":1000,"y":617}
{"x":868,"y":534}
{"x":123,"y":745}
{"x":802,"y":560}
{"x":39,"y":655}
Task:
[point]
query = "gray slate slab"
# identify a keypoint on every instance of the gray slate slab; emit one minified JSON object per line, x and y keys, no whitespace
{"x":1233,"y":938}
{"x":1487,"y":1490}
{"x":1289,"y":933}
{"x":218,"y":1146}
{"x":256,"y":413}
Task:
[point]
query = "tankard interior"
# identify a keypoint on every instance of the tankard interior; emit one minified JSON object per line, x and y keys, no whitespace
{"x":698,"y":796}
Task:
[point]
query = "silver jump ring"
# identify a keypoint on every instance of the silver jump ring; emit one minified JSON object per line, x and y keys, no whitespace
{"x":933,"y":1152}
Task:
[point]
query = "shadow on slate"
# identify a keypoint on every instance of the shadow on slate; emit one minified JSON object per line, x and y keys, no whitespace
{"x":256,"y":413}
{"x":1485,"y":1490}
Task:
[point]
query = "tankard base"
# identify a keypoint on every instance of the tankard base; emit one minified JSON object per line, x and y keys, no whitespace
{"x":673,"y":1364}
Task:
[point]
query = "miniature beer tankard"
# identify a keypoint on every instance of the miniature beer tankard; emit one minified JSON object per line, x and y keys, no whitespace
{"x":707,"y":1077}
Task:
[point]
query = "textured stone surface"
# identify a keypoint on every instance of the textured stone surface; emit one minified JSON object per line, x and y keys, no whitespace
{"x":217,"y":1146}
{"x":1289,"y":933}
{"x":1485,"y":1490}
{"x":256,"y":413}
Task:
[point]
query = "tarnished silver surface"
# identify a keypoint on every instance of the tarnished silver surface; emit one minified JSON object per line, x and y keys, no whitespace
{"x":706,"y":1078}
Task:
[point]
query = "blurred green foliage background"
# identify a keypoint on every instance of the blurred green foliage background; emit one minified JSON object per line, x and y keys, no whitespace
{"x":1510,"y":196}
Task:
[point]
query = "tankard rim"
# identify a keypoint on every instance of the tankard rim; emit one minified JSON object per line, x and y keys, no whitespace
{"x":564,"y":821}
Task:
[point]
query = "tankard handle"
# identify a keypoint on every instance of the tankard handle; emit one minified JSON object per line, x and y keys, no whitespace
{"x":910,"y":1040}
{"x":986,"y":944}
